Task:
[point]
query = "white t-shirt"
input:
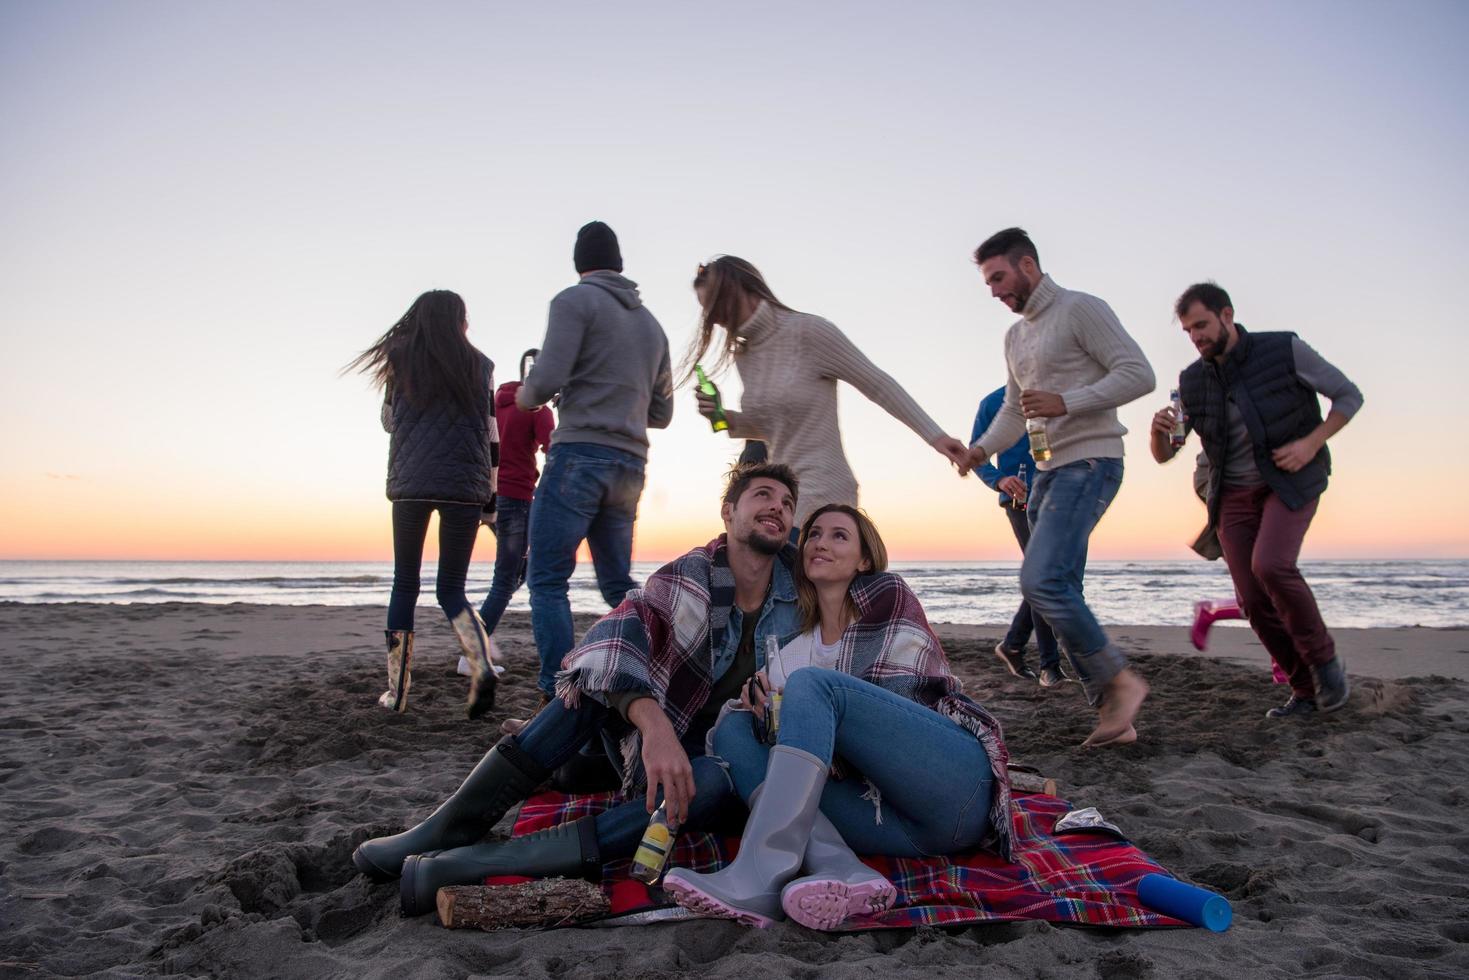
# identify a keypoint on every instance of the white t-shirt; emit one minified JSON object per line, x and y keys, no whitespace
{"x":806,"y":650}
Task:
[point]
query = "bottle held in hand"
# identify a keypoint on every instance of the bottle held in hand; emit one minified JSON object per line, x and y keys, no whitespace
{"x":1018,"y":500}
{"x":654,"y":848}
{"x":1179,"y":435}
{"x":777,"y":683}
{"x":718,"y":422}
{"x":1040,"y":445}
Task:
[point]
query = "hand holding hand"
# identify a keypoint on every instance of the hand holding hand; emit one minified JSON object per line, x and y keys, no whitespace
{"x":956,"y":451}
{"x":1038,"y":404}
{"x":974,"y":460}
{"x":1294,"y":455}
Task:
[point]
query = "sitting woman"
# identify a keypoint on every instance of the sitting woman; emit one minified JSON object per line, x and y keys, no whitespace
{"x":866,"y":692}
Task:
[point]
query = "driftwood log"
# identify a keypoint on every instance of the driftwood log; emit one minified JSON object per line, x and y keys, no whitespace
{"x":1027,"y":782}
{"x":542,"y":904}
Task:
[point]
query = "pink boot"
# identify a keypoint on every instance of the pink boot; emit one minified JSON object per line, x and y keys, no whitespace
{"x":1206,"y":611}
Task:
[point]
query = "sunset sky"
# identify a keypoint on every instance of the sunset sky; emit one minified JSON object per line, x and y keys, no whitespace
{"x":208,"y":209}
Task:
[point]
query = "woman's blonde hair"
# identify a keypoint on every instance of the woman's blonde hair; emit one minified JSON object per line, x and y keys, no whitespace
{"x":873,"y":550}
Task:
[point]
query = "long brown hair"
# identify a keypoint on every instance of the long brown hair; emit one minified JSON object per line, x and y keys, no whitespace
{"x":425,"y":356}
{"x":873,"y":550}
{"x":728,"y":280}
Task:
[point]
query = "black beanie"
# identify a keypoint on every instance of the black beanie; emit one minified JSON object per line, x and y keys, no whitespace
{"x":596,"y":248}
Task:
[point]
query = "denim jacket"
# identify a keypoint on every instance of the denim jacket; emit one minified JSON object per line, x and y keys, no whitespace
{"x":779,"y":617}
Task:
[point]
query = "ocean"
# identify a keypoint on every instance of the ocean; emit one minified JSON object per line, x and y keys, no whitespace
{"x":1162,"y":593}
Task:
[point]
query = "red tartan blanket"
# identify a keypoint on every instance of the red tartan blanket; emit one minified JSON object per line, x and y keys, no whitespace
{"x":1079,"y":878}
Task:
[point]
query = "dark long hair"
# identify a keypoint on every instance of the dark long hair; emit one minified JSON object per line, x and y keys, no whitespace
{"x":425,"y":356}
{"x":729,"y":280}
{"x":873,"y":550}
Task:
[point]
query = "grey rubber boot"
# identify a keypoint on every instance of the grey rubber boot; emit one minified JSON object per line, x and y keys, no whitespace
{"x":774,"y":844}
{"x":1332,"y":686}
{"x":400,"y":670}
{"x":837,"y":885}
{"x":567,"y":851}
{"x":503,"y":778}
{"x":469,"y":629}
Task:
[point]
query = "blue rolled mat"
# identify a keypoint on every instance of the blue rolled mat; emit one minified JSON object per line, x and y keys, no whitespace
{"x":1184,"y":901}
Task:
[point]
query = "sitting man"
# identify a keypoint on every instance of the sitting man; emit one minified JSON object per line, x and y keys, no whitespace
{"x":666,"y":659}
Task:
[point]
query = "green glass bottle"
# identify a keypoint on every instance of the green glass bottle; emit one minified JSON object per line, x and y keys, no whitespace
{"x":717,"y":422}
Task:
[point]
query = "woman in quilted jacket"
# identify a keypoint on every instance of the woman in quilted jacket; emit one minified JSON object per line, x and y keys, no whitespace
{"x":442,"y":455}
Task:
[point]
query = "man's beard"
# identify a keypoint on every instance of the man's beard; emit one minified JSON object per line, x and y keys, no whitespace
{"x":1022,"y":294}
{"x":763,"y":545}
{"x":1216,"y":349}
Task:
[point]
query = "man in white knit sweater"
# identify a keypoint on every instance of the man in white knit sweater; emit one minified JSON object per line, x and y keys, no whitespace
{"x":1071,"y":363}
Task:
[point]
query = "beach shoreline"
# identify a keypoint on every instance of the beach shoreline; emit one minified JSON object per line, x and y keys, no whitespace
{"x":186,"y":781}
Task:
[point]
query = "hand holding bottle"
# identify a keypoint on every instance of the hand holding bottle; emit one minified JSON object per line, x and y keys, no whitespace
{"x":710,"y":404}
{"x":1013,"y":486}
{"x":1037,"y":404}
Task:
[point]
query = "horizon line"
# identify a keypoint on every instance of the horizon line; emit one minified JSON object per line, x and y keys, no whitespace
{"x":388,"y":560}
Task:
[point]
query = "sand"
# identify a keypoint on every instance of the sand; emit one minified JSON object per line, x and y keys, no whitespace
{"x":182,"y":786}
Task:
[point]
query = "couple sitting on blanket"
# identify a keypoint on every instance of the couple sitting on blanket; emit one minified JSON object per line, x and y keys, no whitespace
{"x":879,"y":751}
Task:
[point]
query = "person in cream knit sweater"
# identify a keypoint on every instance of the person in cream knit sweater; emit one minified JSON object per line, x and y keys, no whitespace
{"x":1071,"y":364}
{"x":790,"y":364}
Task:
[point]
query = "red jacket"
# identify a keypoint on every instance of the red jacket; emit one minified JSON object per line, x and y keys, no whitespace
{"x":521,"y":434}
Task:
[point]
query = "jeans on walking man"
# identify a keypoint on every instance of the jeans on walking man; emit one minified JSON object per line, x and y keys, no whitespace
{"x":1252,"y":398}
{"x":607,"y":356}
{"x":1070,"y":365}
{"x":1003,"y":475}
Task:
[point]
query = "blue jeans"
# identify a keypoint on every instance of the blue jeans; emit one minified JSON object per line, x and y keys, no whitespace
{"x":458,"y":526}
{"x":557,"y":732}
{"x":1065,"y":505}
{"x":1025,"y":619}
{"x":587,"y":493}
{"x":921,"y":785}
{"x":512,"y":526}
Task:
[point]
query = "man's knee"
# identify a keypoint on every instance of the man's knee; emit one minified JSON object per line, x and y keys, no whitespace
{"x":1042,"y":588}
{"x":712,"y":779}
{"x":546,"y":584}
{"x":1274,"y":574}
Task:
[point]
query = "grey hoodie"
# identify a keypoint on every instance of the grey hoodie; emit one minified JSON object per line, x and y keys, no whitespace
{"x":608,"y":357}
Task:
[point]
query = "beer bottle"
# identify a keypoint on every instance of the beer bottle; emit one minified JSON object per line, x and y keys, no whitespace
{"x":1019,"y":502}
{"x":1040,"y":445}
{"x":1179,"y":435}
{"x":717,"y":421}
{"x":772,"y":708}
{"x":654,"y":848}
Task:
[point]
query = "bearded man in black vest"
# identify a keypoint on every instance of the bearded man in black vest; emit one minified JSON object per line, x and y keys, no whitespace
{"x":1252,"y":398}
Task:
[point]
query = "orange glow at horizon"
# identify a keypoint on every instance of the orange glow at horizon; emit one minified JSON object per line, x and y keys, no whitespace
{"x":69,"y":521}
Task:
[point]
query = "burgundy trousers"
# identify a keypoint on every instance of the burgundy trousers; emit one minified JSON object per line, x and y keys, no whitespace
{"x":1262,"y":539}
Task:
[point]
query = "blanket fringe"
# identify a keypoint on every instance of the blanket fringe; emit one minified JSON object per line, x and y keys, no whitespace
{"x":875,"y":796}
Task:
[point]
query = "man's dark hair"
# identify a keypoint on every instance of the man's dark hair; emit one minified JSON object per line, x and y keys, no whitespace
{"x":741,"y":474}
{"x":1211,"y":294}
{"x":1012,"y":243}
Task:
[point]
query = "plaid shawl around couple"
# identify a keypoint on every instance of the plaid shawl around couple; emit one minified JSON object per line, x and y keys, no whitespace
{"x":662,"y":637}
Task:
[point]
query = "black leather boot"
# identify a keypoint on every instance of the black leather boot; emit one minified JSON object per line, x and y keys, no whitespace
{"x":503,"y":778}
{"x":567,"y":851}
